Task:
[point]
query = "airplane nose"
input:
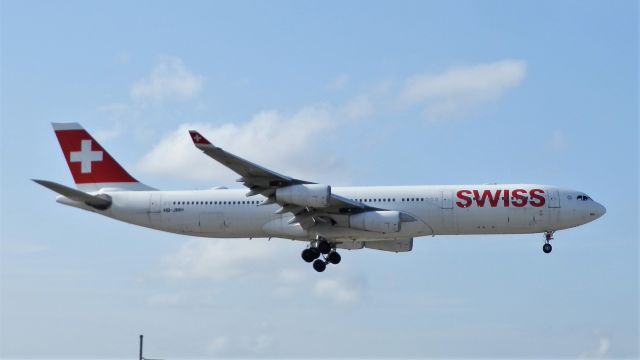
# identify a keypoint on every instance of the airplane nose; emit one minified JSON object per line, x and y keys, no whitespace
{"x":598,"y":210}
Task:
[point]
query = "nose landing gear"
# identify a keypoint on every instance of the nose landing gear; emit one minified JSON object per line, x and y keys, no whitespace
{"x":548,"y":236}
{"x":321,"y":247}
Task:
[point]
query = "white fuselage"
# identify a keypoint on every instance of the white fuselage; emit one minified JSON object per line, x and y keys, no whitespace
{"x":438,"y":210}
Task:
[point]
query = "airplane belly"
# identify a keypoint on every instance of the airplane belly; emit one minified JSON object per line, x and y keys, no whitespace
{"x":248,"y":223}
{"x":481,"y":220}
{"x":527,"y":220}
{"x":212,"y":223}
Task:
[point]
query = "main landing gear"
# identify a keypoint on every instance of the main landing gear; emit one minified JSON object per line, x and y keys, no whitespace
{"x":548,"y":236}
{"x":321,"y":247}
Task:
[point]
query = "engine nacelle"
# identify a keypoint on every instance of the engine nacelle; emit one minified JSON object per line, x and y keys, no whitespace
{"x":311,"y":195}
{"x":385,"y":221}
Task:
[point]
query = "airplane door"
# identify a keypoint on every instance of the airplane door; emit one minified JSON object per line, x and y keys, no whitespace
{"x":447,"y":216}
{"x":447,"y":199}
{"x":155,"y":208}
{"x":553,"y":199}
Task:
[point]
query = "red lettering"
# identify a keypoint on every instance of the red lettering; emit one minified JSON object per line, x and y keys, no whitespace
{"x":487,"y":194}
{"x":517,"y":197}
{"x":464,"y":195}
{"x":537,"y":195}
{"x":519,"y":200}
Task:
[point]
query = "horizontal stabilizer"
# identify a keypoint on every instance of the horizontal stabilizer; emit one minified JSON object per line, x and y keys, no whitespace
{"x":100,"y":202}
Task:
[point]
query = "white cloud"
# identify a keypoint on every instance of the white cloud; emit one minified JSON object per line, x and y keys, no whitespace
{"x":291,"y":276}
{"x":338,"y":290}
{"x":558,"y":140}
{"x":359,"y":107}
{"x":166,"y":299}
{"x":289,"y":281}
{"x":20,"y":247}
{"x":602,"y":351}
{"x":169,"y":79}
{"x":220,"y":259}
{"x":217,"y":345}
{"x":295,"y":145}
{"x":104,"y":135}
{"x":461,"y":88}
{"x":240,"y":346}
{"x":261,"y":344}
{"x":339,"y":82}
{"x":603,"y":347}
{"x":227,"y":260}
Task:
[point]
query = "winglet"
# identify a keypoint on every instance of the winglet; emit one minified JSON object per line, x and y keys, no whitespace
{"x":198,"y":139}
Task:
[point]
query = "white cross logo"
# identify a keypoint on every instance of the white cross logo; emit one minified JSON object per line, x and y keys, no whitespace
{"x":197,"y":137}
{"x":85,"y":156}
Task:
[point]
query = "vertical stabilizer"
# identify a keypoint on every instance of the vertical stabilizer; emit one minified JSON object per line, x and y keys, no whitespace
{"x":90,"y":164}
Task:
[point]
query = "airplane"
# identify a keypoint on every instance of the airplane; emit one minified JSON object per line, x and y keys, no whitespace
{"x":328,"y":218}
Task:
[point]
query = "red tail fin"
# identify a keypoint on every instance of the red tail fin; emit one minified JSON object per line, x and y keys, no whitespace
{"x":90,"y":164}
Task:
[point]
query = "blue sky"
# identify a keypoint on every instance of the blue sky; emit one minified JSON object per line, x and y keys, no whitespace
{"x":348,"y":93}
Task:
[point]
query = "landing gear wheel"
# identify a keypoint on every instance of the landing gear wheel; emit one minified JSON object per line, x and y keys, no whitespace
{"x":309,"y":255}
{"x":334,"y":258}
{"x":546,"y":248}
{"x":324,"y":246}
{"x":319,"y":265}
{"x":315,"y":252}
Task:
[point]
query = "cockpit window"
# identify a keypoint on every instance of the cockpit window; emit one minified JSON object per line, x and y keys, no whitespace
{"x":583,"y":197}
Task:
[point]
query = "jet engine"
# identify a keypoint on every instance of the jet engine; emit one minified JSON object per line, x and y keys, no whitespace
{"x":385,"y":221}
{"x":308,"y":195}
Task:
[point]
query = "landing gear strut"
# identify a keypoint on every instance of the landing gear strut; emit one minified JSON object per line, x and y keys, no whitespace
{"x":548,"y":236}
{"x":321,"y":252}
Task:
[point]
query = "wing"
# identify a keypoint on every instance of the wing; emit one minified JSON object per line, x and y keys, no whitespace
{"x":266,"y":182}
